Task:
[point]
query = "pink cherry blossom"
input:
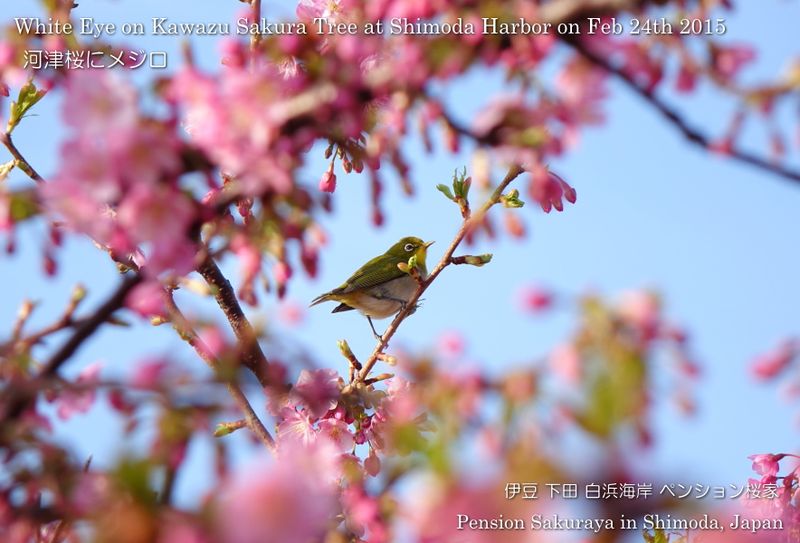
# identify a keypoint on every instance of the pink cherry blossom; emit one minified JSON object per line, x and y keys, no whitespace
{"x":282,"y":272}
{"x":249,"y":265}
{"x":236,"y":119}
{"x":148,"y":300}
{"x":641,"y":309}
{"x":90,"y":492}
{"x":290,"y":499}
{"x":311,"y":9}
{"x":160,"y":217}
{"x":147,"y":154}
{"x":372,"y":464}
{"x":296,"y":425}
{"x":401,"y":404}
{"x":363,"y":514}
{"x":338,"y":432}
{"x":565,"y":361}
{"x":534,"y":299}
{"x":766,"y":464}
{"x":291,"y":313}
{"x":214,"y":341}
{"x":155,"y":214}
{"x":100,"y":102}
{"x":773,"y":363}
{"x":148,"y":374}
{"x":318,"y":390}
{"x":549,"y":189}
{"x":176,"y":529}
{"x":687,"y":78}
{"x":451,"y":344}
{"x":729,"y":60}
{"x":582,"y":90}
{"x":72,"y":402}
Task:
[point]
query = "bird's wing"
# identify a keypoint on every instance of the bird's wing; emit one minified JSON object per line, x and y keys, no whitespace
{"x":377,"y":271}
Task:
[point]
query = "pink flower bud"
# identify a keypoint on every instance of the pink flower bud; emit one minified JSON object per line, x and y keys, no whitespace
{"x":328,"y":181}
{"x":372,"y":464}
{"x":534,"y":299}
{"x":282,"y":272}
{"x":769,"y":365}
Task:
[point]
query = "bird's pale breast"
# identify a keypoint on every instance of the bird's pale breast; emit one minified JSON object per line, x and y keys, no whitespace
{"x":381,"y":301}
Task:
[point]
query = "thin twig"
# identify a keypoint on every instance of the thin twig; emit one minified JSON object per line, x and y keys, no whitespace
{"x":187,"y":332}
{"x":24,"y":165}
{"x":66,"y":320}
{"x":92,"y":323}
{"x":445,"y":261}
{"x":255,"y":37}
{"x":170,"y":476}
{"x":63,"y":525}
{"x":674,"y":118}
{"x":17,"y":401}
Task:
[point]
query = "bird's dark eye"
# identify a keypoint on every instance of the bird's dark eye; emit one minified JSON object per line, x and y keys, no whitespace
{"x":409,"y":247}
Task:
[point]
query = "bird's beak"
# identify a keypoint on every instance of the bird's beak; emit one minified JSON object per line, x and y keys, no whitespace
{"x":429,"y":244}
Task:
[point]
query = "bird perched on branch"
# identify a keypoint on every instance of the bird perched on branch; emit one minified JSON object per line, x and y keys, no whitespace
{"x":380,"y":288}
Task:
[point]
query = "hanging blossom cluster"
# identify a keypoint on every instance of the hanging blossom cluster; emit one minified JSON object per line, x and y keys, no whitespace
{"x":118,"y":181}
{"x":786,"y":506}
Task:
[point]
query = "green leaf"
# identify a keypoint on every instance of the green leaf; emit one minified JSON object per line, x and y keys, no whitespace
{"x":224,"y":429}
{"x":478,"y":260}
{"x":511,"y":200}
{"x":23,"y":205}
{"x":444,"y":189}
{"x":461,"y":184}
{"x":658,"y":536}
{"x":28,"y":96}
{"x":344,"y":348}
{"x":134,"y":477}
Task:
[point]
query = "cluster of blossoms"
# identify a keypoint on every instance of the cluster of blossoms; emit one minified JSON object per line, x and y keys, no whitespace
{"x":122,"y":190}
{"x":786,"y":507}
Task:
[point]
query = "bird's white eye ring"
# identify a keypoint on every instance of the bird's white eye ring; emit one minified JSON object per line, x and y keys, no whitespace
{"x":409,"y":247}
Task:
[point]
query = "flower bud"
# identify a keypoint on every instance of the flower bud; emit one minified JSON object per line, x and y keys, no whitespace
{"x":328,"y":181}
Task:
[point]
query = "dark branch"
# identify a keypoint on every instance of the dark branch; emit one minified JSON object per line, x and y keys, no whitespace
{"x":17,"y":400}
{"x":186,"y":331}
{"x":674,"y":118}
{"x":253,"y":357}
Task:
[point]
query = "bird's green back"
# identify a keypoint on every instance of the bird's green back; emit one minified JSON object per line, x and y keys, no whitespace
{"x":381,"y":269}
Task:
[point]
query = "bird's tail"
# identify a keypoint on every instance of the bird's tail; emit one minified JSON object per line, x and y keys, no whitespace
{"x":319,"y":299}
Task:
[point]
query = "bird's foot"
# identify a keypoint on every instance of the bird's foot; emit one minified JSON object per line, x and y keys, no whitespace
{"x":378,"y":337}
{"x":416,"y":306}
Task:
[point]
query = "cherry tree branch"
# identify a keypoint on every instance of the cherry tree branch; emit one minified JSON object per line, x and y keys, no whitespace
{"x":445,"y":261}
{"x":674,"y":118}
{"x":188,"y":334}
{"x":24,"y":165}
{"x":253,"y":357}
{"x":17,"y":401}
{"x":91,"y":324}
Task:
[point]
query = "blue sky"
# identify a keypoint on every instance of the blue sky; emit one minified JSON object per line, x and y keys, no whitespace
{"x":715,"y":238}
